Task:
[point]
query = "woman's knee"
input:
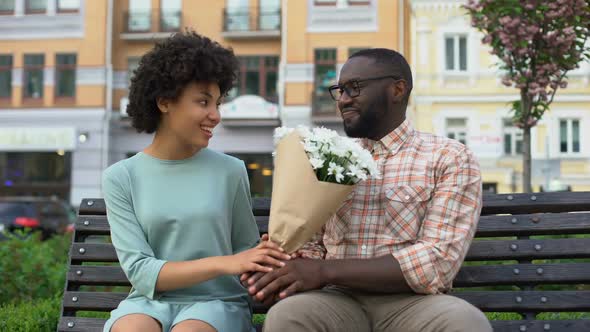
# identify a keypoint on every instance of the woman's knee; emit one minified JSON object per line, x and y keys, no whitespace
{"x":193,"y":325}
{"x":136,"y":322}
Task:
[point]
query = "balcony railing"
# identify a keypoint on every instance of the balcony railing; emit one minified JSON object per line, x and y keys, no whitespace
{"x":251,"y":22}
{"x":152,"y":22}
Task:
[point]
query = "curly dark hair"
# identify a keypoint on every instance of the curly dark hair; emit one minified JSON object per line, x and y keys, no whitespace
{"x":169,"y":67}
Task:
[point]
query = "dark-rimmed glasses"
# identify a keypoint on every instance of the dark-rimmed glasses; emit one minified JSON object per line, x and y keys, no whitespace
{"x":353,"y":88}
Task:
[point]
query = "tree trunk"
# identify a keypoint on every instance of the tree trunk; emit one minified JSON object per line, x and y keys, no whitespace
{"x":526,"y":160}
{"x":525,"y":104}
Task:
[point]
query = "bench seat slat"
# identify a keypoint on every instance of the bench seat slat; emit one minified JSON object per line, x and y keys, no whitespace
{"x":484,"y":250}
{"x":98,"y":225}
{"x":506,"y":301}
{"x":541,"y":325}
{"x":92,"y":301}
{"x":492,"y":204}
{"x":522,"y":274}
{"x":515,"y":301}
{"x":92,"y":206}
{"x":534,"y":224}
{"x":489,"y":226}
{"x":97,"y":275}
{"x":81,"y":324}
{"x":479,"y":251}
{"x":92,"y":225}
{"x":535,"y":203}
{"x":93,"y":252}
{"x":468,"y":276}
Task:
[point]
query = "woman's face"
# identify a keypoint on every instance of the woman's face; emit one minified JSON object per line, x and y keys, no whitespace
{"x":193,"y":116}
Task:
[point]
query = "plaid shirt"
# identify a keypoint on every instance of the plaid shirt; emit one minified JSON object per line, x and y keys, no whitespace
{"x":423,"y":211}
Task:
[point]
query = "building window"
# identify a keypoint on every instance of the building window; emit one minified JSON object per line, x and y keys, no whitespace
{"x":457,"y":129}
{"x":36,"y":6}
{"x":237,"y":15}
{"x":5,"y":76}
{"x":342,"y":3}
{"x":569,"y":136}
{"x":258,"y":76}
{"x":68,"y":6}
{"x":170,"y":15}
{"x":325,"y":70}
{"x":324,"y":77}
{"x":270,"y":15}
{"x":260,"y":172}
{"x":139,"y":16}
{"x":33,"y":75}
{"x":325,"y":2}
{"x":35,"y":173}
{"x":65,"y":75}
{"x":456,"y":53}
{"x":132,"y":65}
{"x":6,"y":7}
{"x":512,"y":138}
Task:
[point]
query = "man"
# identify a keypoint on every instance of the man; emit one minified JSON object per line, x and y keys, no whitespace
{"x":395,"y":245}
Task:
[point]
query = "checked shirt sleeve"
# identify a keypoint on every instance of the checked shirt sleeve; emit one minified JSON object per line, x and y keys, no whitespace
{"x":430,"y":265}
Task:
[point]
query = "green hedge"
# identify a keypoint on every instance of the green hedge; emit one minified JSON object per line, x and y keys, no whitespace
{"x":32,"y":269}
{"x":39,"y":315}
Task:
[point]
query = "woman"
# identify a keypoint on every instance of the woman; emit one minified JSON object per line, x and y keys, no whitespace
{"x":180,"y":214}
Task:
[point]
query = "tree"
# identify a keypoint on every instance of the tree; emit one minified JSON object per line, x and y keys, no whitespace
{"x":537,"y":42}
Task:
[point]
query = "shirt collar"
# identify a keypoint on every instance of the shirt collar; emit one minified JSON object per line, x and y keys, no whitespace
{"x":392,"y":141}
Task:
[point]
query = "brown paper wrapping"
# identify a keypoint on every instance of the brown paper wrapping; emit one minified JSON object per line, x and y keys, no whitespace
{"x":301,"y":204}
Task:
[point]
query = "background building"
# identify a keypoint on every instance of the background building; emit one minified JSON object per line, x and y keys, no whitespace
{"x":290,"y":51}
{"x":318,"y":37}
{"x":65,"y":67}
{"x":251,"y":28}
{"x":53,"y":74}
{"x":458,"y":93}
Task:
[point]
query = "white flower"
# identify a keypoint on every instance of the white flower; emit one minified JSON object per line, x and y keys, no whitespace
{"x":316,"y":162}
{"x":303,"y":131}
{"x":310,"y":146}
{"x":336,"y":170}
{"x":335,"y":158}
{"x":281,"y":132}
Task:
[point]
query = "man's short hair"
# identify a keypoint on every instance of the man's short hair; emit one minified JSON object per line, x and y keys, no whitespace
{"x":392,"y":62}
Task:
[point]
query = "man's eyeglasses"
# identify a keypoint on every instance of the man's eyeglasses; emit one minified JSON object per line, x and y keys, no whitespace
{"x":352,"y":87}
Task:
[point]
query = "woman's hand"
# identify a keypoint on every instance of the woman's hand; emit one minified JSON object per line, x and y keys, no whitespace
{"x":262,"y":258}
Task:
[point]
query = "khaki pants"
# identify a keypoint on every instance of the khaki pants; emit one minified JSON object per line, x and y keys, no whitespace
{"x":339,"y":310}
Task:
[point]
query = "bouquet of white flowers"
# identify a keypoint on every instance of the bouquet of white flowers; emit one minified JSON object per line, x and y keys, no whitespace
{"x":315,"y":170}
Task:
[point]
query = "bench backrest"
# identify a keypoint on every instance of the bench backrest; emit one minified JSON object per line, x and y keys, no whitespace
{"x":531,"y":257}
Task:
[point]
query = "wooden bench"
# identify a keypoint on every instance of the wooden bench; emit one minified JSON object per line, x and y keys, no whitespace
{"x":507,"y":254}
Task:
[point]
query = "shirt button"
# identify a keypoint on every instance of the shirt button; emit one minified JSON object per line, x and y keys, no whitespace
{"x":407,"y":197}
{"x":364,"y":247}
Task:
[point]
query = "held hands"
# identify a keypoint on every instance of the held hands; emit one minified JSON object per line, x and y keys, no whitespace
{"x":261,"y":258}
{"x":296,"y":276}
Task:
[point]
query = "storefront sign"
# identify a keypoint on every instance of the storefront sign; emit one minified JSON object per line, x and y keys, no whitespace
{"x":249,"y":107}
{"x":37,"y":139}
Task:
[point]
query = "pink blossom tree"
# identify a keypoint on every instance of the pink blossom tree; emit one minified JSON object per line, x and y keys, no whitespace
{"x":537,"y":42}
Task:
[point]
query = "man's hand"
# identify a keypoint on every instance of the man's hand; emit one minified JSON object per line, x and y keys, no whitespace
{"x":296,"y":276}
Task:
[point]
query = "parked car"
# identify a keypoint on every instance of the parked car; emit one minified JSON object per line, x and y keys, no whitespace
{"x":46,"y":214}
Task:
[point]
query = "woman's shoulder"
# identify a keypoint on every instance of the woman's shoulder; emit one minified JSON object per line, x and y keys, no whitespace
{"x":117,"y":172}
{"x":224,"y":161}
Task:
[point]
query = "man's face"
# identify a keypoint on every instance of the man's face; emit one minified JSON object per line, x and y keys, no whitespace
{"x":362,"y":114}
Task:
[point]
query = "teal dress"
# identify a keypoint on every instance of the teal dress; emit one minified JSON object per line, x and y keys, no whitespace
{"x":180,"y":210}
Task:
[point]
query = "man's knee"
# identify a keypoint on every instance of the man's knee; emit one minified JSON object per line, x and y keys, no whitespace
{"x":322,"y":310}
{"x":462,"y":316}
{"x":288,"y":314}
